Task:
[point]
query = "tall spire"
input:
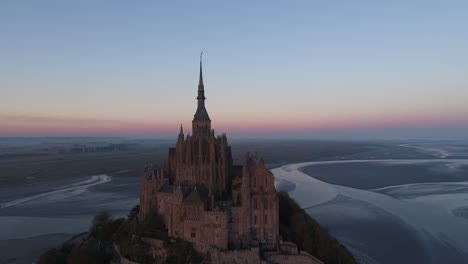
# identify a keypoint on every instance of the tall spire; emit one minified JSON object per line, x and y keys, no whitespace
{"x":200,"y":81}
{"x":201,"y":86}
{"x":201,"y":114}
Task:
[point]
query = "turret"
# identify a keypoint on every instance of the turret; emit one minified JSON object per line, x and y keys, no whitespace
{"x":181,"y":133}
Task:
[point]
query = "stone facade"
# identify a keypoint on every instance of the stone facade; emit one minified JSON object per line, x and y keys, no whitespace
{"x":207,"y":200}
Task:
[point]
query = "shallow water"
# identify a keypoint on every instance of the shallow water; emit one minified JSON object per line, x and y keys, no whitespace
{"x":370,"y":175}
{"x":37,"y":215}
{"x":393,"y":211}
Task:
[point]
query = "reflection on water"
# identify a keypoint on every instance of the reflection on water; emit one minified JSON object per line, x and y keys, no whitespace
{"x":411,"y":221}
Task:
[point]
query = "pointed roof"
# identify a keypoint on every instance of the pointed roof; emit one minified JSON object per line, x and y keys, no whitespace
{"x":197,"y":195}
{"x":194,"y":197}
{"x":200,"y":79}
{"x":201,"y":114}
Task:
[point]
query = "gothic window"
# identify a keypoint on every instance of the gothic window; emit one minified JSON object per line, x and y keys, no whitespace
{"x":265,"y":220}
{"x":255,"y":203}
{"x":193,"y":234}
{"x":255,"y":219}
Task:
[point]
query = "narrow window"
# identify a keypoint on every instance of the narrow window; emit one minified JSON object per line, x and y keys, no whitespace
{"x":193,"y":234}
{"x":255,"y":219}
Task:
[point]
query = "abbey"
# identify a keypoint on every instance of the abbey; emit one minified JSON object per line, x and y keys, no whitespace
{"x":206,"y":199}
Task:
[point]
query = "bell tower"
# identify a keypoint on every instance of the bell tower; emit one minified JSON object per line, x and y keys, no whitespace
{"x":201,"y":124}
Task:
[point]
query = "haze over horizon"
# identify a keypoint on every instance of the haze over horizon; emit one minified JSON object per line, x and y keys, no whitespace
{"x":309,"y":69}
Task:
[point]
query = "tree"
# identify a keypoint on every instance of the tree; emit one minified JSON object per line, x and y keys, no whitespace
{"x":52,"y":256}
{"x":84,"y":256}
{"x":308,"y":235}
{"x":101,"y":227}
{"x":180,"y":251}
{"x":153,"y":226}
{"x":133,"y":212}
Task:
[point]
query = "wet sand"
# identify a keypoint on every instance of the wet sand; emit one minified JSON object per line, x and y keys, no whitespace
{"x":406,"y":223}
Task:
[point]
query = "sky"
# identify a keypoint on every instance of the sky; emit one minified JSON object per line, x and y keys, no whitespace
{"x":376,"y":69}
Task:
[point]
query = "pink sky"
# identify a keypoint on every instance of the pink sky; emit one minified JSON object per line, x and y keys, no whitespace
{"x":54,"y":126}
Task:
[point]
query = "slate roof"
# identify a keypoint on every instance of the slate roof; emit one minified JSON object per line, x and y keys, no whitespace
{"x":194,"y":197}
{"x":197,"y":195}
{"x":201,"y":114}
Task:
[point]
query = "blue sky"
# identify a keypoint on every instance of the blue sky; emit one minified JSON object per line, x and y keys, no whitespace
{"x":313,"y":67}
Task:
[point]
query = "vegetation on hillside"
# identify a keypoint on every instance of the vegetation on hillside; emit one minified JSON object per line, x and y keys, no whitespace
{"x":297,"y":226}
{"x":127,"y":234}
{"x":132,"y":247}
{"x":96,"y":247}
{"x":180,"y":251}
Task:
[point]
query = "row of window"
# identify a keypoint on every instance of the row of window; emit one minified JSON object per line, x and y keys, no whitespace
{"x":265,"y":203}
{"x":255,"y":181}
{"x":265,"y":219}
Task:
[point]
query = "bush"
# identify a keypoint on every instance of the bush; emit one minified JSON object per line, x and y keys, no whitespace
{"x":52,"y":256}
{"x":180,"y":251}
{"x":133,"y":248}
{"x":104,"y":226}
{"x":133,"y":212}
{"x":100,"y":228}
{"x":86,"y":256}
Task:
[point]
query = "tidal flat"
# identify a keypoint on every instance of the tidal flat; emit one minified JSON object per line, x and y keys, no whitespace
{"x":48,"y":196}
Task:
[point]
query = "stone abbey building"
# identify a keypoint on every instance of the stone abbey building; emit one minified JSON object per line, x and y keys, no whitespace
{"x":206,"y":199}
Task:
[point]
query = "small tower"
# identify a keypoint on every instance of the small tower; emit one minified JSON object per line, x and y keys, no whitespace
{"x":201,"y":124}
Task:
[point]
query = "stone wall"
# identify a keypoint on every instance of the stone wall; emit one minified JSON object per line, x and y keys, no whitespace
{"x":301,"y":258}
{"x":157,"y":248}
{"x":251,"y":256}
